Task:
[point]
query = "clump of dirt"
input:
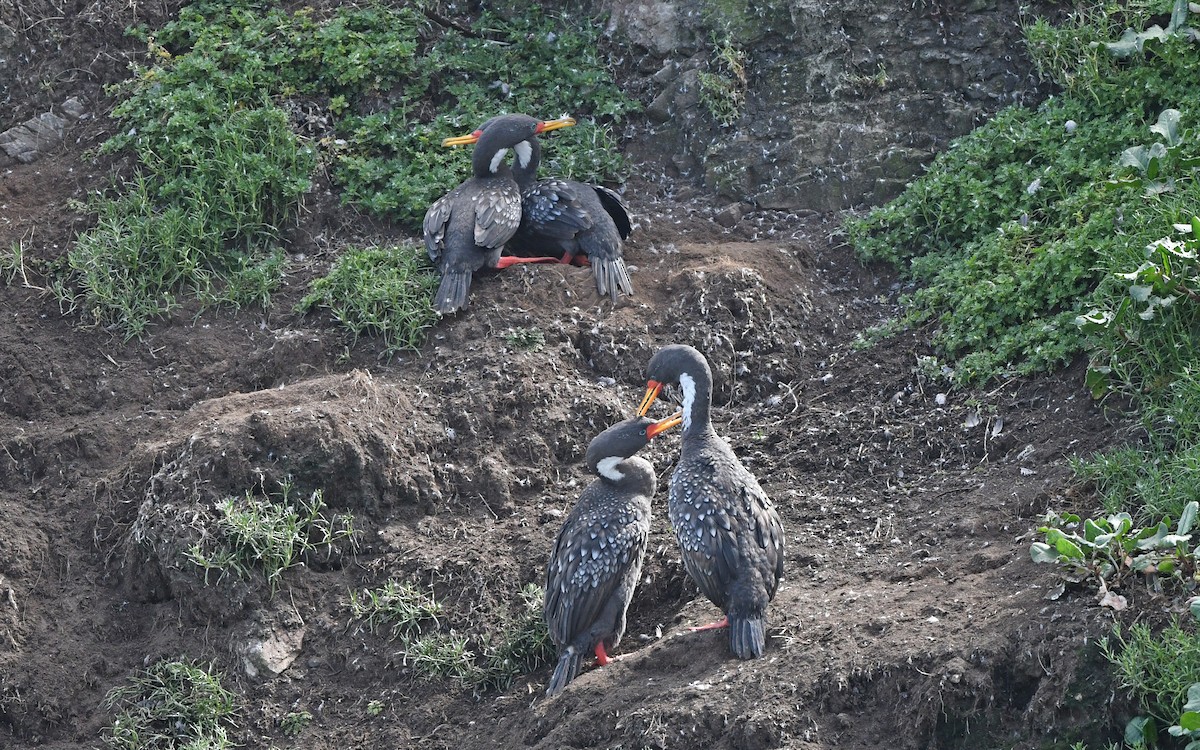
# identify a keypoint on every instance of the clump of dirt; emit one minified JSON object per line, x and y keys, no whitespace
{"x":909,"y":611}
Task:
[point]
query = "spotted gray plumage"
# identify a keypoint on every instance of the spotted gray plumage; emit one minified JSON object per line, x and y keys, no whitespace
{"x":568,"y":218}
{"x":465,"y":230}
{"x":730,"y":535}
{"x":597,"y":558}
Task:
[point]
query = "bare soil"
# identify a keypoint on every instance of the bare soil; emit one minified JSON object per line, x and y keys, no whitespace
{"x":910,"y":615}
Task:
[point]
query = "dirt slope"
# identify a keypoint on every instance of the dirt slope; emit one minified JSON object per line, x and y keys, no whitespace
{"x":910,"y":613}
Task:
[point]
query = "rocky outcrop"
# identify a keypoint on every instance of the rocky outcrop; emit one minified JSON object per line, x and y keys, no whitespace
{"x":27,"y":142}
{"x":843,"y":103}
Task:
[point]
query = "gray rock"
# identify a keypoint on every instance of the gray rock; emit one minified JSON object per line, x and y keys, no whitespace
{"x":31,"y":139}
{"x":271,"y":653}
{"x":730,"y":215}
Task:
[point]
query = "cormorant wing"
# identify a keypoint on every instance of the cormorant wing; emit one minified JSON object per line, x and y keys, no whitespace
{"x":616,"y":208}
{"x":552,"y":208}
{"x":434,"y":226}
{"x":497,"y":214}
{"x":589,"y":561}
{"x":768,"y":533}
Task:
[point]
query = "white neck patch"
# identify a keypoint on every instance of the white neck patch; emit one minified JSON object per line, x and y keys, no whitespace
{"x":524,"y":153}
{"x":688,"y":384}
{"x":608,"y":468}
{"x":499,"y":157}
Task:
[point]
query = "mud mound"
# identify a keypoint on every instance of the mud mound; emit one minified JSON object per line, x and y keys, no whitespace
{"x":346,"y":436}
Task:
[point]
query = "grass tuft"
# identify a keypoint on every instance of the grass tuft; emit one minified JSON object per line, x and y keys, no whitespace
{"x":383,"y":291}
{"x":269,"y":535}
{"x":172,"y":704}
{"x":399,"y":606}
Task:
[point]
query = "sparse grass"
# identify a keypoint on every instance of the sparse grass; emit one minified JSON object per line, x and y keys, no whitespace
{"x":524,"y":644}
{"x":382,"y":291}
{"x":520,"y":645}
{"x":172,"y":704}
{"x":397,"y":605}
{"x":723,"y":84}
{"x":269,"y":535}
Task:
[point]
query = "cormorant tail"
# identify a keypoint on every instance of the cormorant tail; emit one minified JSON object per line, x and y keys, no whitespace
{"x":611,"y":276}
{"x":452,"y":292}
{"x":567,"y":669}
{"x":747,"y":637}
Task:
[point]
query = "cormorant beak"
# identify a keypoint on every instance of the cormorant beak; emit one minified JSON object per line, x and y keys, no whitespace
{"x":653,"y":388}
{"x":663,"y":425}
{"x":545,"y":126}
{"x":463,"y":140}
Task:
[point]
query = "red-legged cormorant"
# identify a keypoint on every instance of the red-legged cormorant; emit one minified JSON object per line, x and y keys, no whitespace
{"x":729,"y":532}
{"x":465,"y":230}
{"x":597,"y":558}
{"x":574,"y":220}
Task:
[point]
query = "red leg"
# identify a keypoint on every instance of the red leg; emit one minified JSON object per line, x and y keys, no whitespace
{"x":566,"y":259}
{"x":602,"y":655}
{"x":581,"y":260}
{"x":510,"y":260}
{"x":723,"y":622}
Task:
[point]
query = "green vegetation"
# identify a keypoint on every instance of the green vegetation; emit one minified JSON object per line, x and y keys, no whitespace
{"x":398,"y":605}
{"x":520,"y":644}
{"x":1158,"y":670}
{"x":239,"y":102}
{"x":172,"y":704}
{"x":1109,"y":549}
{"x":529,"y":339}
{"x":295,"y":722}
{"x":1145,"y":335}
{"x":1072,"y":229}
{"x":1024,"y":223}
{"x":383,"y":291}
{"x":269,"y":535}
{"x":723,"y":84}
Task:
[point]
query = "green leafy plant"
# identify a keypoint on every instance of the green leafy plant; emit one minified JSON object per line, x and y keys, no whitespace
{"x":1187,"y":725}
{"x":295,"y":722}
{"x":172,"y":704}
{"x":399,"y":606}
{"x":269,"y":535}
{"x":1109,"y":549}
{"x":530,"y":339}
{"x":384,"y":291}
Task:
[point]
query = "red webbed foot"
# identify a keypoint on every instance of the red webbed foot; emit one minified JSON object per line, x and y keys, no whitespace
{"x":722,"y":623}
{"x":511,"y":260}
{"x":602,"y":657}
